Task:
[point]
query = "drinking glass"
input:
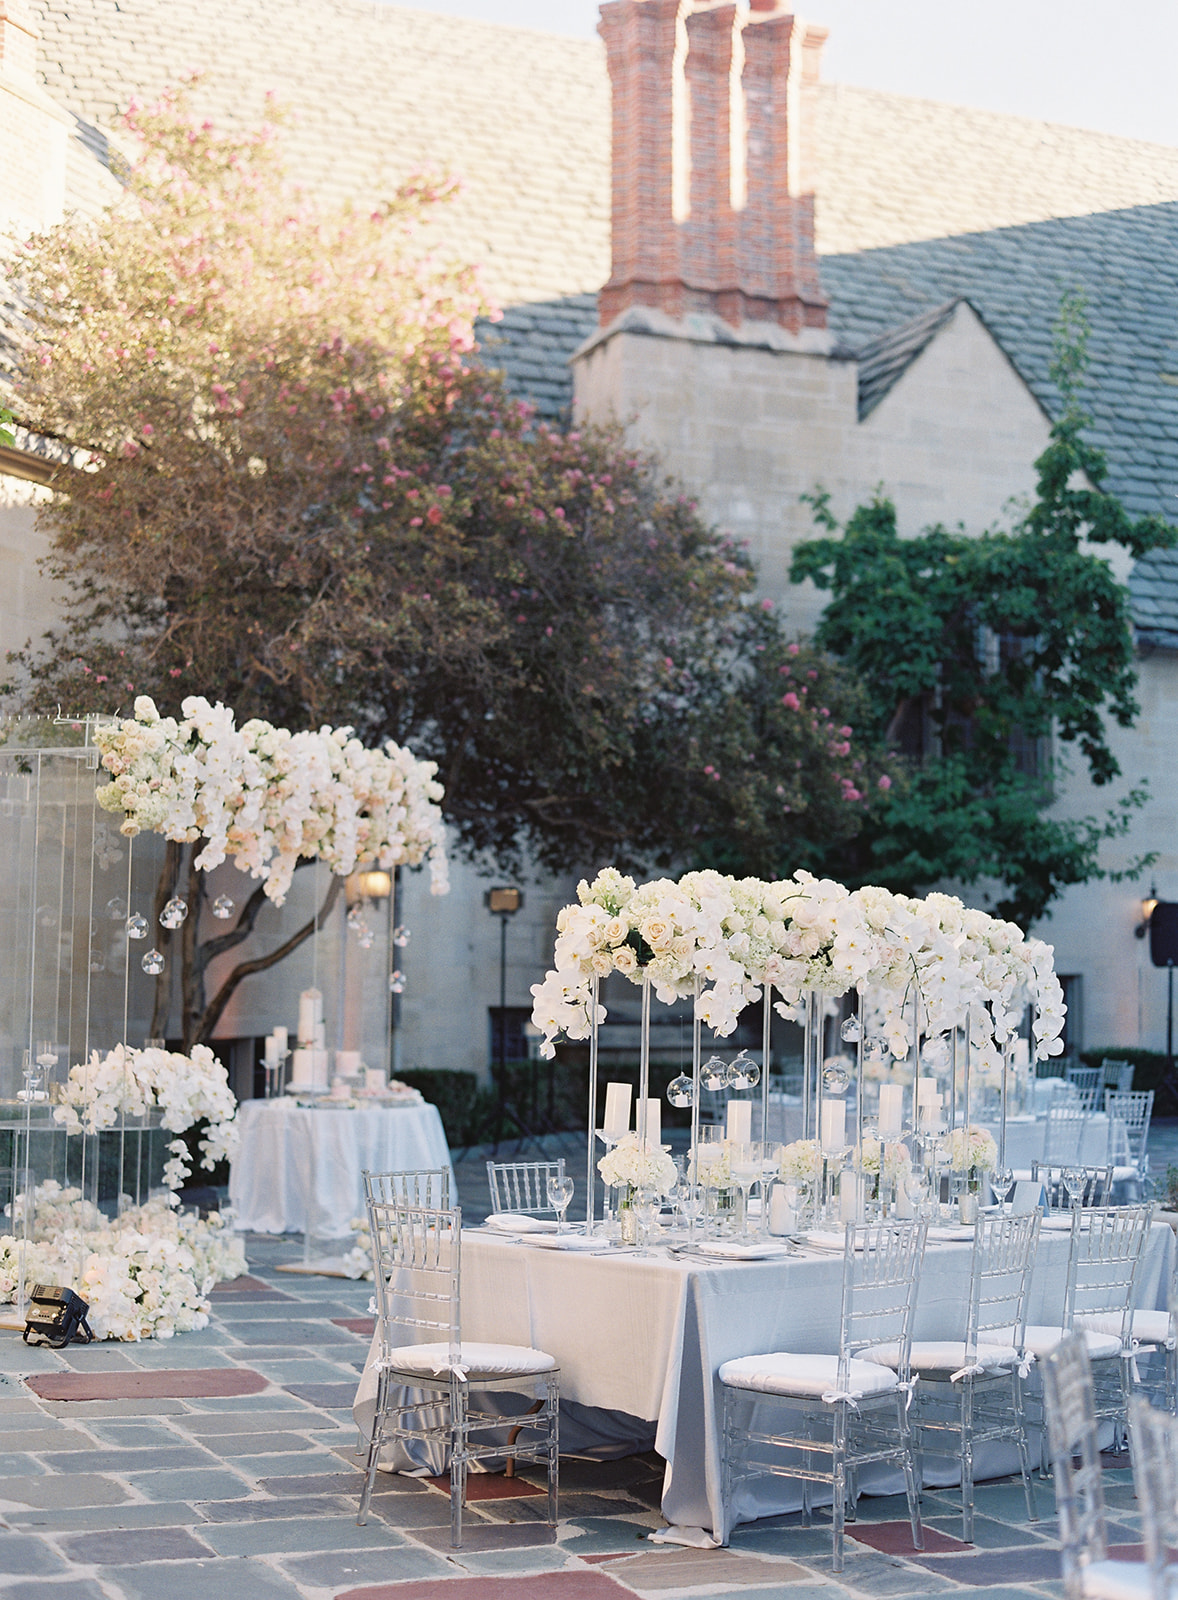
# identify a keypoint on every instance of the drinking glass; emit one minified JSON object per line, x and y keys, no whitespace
{"x":648,"y":1204}
{"x":1074,"y":1182}
{"x":560,"y":1192}
{"x":692,"y":1198}
{"x":746,"y":1171}
{"x":1002,"y":1182}
{"x":916,"y":1188}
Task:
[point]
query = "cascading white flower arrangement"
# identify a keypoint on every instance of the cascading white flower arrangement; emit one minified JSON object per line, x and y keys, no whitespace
{"x":145,"y":1275}
{"x":129,"y":1082}
{"x":265,"y":797}
{"x":800,"y":934}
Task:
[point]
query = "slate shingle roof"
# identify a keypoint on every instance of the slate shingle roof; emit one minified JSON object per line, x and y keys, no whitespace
{"x":918,"y":203}
{"x":883,"y":361}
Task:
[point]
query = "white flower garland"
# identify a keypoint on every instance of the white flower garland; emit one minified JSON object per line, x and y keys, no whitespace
{"x":129,"y":1082}
{"x":145,"y":1275}
{"x":266,"y":797}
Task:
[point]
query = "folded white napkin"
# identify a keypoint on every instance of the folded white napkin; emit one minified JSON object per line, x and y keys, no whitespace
{"x":570,"y":1241}
{"x":519,"y":1222}
{"x":730,"y":1250}
{"x":950,"y":1232}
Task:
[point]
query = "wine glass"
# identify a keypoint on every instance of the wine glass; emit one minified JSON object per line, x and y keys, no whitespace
{"x":1001,"y":1183}
{"x":560,"y":1192}
{"x":1074,"y":1182}
{"x":692,"y":1198}
{"x":746,"y":1171}
{"x":916,"y":1188}
{"x":648,"y":1204}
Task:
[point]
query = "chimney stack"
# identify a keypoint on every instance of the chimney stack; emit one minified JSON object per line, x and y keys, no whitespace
{"x":713,"y":208}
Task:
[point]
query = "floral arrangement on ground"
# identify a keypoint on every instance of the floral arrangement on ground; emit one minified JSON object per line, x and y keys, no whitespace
{"x":145,"y":1274}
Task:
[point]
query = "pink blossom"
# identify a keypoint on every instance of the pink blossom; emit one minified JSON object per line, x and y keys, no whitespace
{"x":791,"y":700}
{"x":794,"y":648}
{"x":885,"y":783}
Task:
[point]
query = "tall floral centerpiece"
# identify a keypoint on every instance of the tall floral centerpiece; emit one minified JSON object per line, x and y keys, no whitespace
{"x":265,"y":799}
{"x":935,"y":981}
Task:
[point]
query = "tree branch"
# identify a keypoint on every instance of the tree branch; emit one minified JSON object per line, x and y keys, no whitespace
{"x":245,"y":969}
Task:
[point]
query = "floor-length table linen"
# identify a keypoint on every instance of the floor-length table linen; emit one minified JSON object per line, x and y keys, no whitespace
{"x":297,"y":1166}
{"x":643,"y":1337}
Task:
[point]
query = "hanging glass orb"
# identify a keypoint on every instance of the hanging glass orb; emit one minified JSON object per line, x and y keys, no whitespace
{"x":681,"y":1091}
{"x":743,"y":1071}
{"x":173,"y":913}
{"x":400,"y":937}
{"x":116,"y":909}
{"x":851,"y":1031}
{"x":397,"y":982}
{"x":714,"y":1073}
{"x":835,"y":1077}
{"x":152,"y":963}
{"x":97,"y":962}
{"x":137,"y":927}
{"x":874,"y":1049}
{"x":46,"y":917}
{"x":365,"y":938}
{"x":223,"y":908}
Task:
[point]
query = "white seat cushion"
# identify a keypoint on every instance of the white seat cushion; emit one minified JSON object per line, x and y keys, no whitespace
{"x":804,"y":1375}
{"x":944,"y":1355}
{"x":1042,"y":1340}
{"x":477,"y":1360}
{"x":1149,"y":1327}
{"x":1115,"y":1580}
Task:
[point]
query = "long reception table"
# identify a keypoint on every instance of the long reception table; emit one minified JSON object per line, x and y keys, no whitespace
{"x":641,"y":1337}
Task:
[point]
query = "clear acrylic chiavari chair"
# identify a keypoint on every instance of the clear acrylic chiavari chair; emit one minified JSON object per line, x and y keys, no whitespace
{"x":522,"y":1186}
{"x":426,"y":1372}
{"x":821,"y":1417}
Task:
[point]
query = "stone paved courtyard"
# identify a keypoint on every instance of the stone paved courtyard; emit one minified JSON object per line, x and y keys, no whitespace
{"x":224,"y":1463}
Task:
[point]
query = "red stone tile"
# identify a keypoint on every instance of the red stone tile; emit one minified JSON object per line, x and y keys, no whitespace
{"x":362,"y":1325}
{"x":895,"y":1538}
{"x":194,"y":1383}
{"x":1127,"y":1552}
{"x":248,"y":1285}
{"x":488,"y":1486}
{"x":537,"y":1586}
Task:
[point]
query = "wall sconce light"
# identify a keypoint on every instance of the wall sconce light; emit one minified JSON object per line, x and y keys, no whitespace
{"x":1148,"y":906}
{"x":361,"y":886}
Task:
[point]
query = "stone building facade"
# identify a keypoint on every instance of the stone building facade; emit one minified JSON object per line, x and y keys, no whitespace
{"x":800,"y":284}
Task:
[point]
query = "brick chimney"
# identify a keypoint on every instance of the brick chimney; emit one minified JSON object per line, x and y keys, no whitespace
{"x":713,"y":206}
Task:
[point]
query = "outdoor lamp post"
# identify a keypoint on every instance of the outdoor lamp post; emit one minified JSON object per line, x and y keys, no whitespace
{"x":502,"y":903}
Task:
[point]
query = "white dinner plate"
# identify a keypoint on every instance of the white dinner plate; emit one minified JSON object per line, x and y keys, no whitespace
{"x":569,"y":1241}
{"x":723,"y":1250}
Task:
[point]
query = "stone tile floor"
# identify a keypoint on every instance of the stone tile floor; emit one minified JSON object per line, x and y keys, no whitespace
{"x":161,"y":1480}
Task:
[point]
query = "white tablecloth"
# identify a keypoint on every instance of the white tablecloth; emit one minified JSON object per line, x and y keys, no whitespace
{"x":645,"y":1335}
{"x":298,"y":1170}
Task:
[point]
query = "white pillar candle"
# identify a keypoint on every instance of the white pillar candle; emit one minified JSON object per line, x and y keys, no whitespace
{"x":271,"y":1050}
{"x":930,"y":1111}
{"x":739,"y":1124}
{"x":654,"y":1123}
{"x":281,"y":1039}
{"x":310,"y":1013}
{"x":848,"y":1197}
{"x":617,"y":1109}
{"x":834,"y":1124}
{"x":926,"y":1089}
{"x":783,"y":1217}
{"x":905,"y":1210}
{"x":891,"y":1108}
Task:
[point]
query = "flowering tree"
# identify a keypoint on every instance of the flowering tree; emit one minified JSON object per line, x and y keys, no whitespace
{"x":303,"y":496}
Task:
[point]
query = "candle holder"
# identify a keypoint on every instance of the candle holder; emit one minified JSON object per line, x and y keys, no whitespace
{"x":274,"y":1073}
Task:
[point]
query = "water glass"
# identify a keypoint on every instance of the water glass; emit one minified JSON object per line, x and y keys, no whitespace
{"x":1001,"y":1183}
{"x":560,"y":1193}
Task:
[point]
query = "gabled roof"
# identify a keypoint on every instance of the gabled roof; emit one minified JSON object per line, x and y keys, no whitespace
{"x":885,"y":360}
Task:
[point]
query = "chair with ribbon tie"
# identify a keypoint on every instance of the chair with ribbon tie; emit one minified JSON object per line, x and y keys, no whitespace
{"x":426,"y":1371}
{"x":1070,"y":1426}
{"x":1103,"y":1261}
{"x":1155,"y":1478}
{"x":833,"y":1413}
{"x":971,"y":1389}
